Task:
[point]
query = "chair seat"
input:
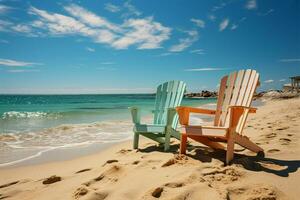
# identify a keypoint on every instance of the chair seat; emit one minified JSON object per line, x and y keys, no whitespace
{"x":214,"y":131}
{"x":149,"y":128}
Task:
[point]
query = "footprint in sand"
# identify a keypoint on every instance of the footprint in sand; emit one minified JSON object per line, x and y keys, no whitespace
{"x":80,"y":192}
{"x":157,"y":192}
{"x":178,"y":158}
{"x":110,"y":175}
{"x":174,"y":185}
{"x":170,"y":162}
{"x":136,"y":162}
{"x":51,"y":179}
{"x":271,"y":135}
{"x":124,"y":151}
{"x":224,"y":176}
{"x":9,"y":184}
{"x":282,"y":128}
{"x":83,"y":170}
{"x":273,"y":150}
{"x":110,"y":161}
{"x":285,"y":141}
{"x":252,"y":192}
{"x":97,"y":196}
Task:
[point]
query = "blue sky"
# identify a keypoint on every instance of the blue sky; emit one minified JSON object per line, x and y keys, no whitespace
{"x":99,"y":46}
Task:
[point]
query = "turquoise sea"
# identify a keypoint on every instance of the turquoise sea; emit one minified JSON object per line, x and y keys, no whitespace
{"x":33,"y":124}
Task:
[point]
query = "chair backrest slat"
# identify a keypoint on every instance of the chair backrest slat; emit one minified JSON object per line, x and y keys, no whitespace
{"x":236,"y":90}
{"x":220,"y":100}
{"x":168,"y":95}
{"x":252,"y":85}
{"x":244,"y":87}
{"x":178,"y":98}
{"x":227,"y":98}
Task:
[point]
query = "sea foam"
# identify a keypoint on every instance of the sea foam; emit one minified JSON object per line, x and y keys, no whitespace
{"x":27,"y":115}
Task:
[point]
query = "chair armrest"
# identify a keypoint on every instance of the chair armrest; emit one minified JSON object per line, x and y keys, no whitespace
{"x":135,"y":114}
{"x":250,"y":109}
{"x":184,"y":113}
{"x":197,"y":110}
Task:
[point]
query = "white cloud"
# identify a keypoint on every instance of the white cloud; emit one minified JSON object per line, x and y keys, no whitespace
{"x":130,"y":10}
{"x":15,"y":63}
{"x":22,"y":70}
{"x":223,"y":25}
{"x":58,"y":24}
{"x":251,"y":5}
{"x":4,"y":9}
{"x":290,"y":60}
{"x":107,"y":63}
{"x":145,"y":33}
{"x":266,"y":13}
{"x":90,"y":49}
{"x":282,"y":80}
{"x":167,"y":54}
{"x":106,"y":68}
{"x":233,"y":26}
{"x":198,"y":22}
{"x":269,"y":81}
{"x":184,"y":43}
{"x":112,"y":8}
{"x":7,"y":26}
{"x":198,"y":51}
{"x":22,"y":28}
{"x":90,"y":18}
{"x":220,"y":6}
{"x":205,"y":69}
{"x":211,"y":17}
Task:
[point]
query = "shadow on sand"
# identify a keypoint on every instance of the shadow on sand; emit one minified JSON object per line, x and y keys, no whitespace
{"x":253,"y":163}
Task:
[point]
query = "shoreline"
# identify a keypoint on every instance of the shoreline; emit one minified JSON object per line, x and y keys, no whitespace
{"x":65,"y":154}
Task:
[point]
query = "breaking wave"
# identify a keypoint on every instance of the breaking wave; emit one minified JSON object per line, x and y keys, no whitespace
{"x":18,"y":147}
{"x":28,"y":115}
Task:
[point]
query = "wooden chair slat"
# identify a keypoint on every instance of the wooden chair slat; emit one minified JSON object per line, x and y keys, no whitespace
{"x":237,"y":87}
{"x":220,"y":100}
{"x":243,"y":87}
{"x":248,"y":100}
{"x":228,"y":96}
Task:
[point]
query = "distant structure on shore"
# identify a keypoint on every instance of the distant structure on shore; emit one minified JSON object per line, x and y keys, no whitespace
{"x":202,"y":94}
{"x":293,"y":86}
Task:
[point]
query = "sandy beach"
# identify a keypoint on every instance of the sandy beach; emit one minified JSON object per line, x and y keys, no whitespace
{"x":118,"y":172}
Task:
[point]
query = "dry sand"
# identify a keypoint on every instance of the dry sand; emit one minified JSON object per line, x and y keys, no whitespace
{"x":122,"y":173}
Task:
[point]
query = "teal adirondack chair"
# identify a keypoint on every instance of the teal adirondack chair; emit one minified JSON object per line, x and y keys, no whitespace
{"x":168,"y":96}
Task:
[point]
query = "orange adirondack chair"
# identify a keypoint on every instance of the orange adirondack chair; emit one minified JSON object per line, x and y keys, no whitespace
{"x":233,"y":106}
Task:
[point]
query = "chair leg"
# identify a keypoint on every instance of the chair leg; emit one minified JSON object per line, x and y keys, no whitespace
{"x":136,"y":140}
{"x":245,"y":142}
{"x":230,"y":150}
{"x":207,"y":142}
{"x":183,"y":141}
{"x":167,"y":140}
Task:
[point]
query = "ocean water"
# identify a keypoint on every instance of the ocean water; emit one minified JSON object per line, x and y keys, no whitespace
{"x":33,"y":124}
